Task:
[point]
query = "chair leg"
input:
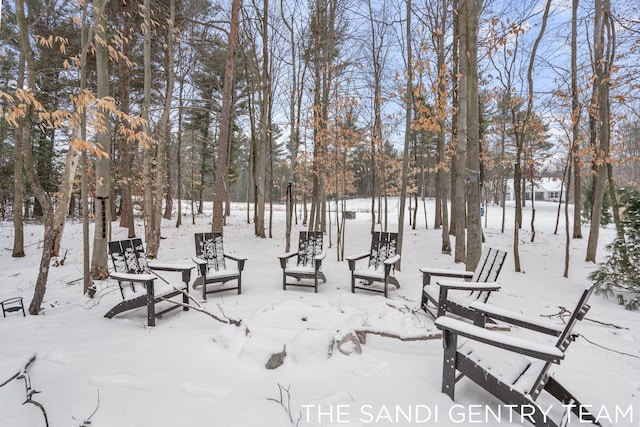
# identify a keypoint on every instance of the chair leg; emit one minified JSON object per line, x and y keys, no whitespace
{"x":240,"y":284}
{"x":450,"y":342}
{"x":353,"y":283}
{"x":558,"y":391}
{"x":185,"y":299}
{"x":151,"y":306}
{"x":284,"y":280}
{"x":315,"y":282}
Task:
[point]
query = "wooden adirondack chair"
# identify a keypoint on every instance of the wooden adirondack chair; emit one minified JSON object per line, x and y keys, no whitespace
{"x":309,"y":263}
{"x":212,"y":267}
{"x":382,"y":258}
{"x":454,"y":296}
{"x":137,"y":283}
{"x":516,"y":378}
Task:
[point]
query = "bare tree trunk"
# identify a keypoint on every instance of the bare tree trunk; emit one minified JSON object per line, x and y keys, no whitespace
{"x":462,"y":136}
{"x":18,"y":185}
{"x":51,"y":228}
{"x":474,"y":229}
{"x":163,"y":185}
{"x":601,"y":82}
{"x":575,"y":126}
{"x":455,"y":62}
{"x":225,"y":119}
{"x":127,"y":154}
{"x":567,"y":245}
{"x":264,"y":126}
{"x":102,"y":163}
{"x":148,"y":151}
{"x":179,"y":151}
{"x":408,"y":132}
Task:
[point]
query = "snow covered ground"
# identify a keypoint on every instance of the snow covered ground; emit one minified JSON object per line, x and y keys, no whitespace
{"x":193,"y":371}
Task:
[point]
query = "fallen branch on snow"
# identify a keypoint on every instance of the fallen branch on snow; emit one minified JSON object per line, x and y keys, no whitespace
{"x":24,"y":375}
{"x":200,"y":309}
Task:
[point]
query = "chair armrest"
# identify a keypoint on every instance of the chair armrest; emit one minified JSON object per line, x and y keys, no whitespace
{"x":132,"y":277}
{"x":169,"y":267}
{"x":500,"y":340}
{"x":185,"y":269}
{"x":317,"y":260}
{"x":202,"y":265}
{"x":392,"y":260}
{"x":358,"y":256}
{"x":285,"y":257}
{"x":459,"y":285}
{"x":288,"y":255}
{"x":428,"y":272}
{"x":485,"y":311}
{"x":239,"y":260}
{"x":353,"y":258}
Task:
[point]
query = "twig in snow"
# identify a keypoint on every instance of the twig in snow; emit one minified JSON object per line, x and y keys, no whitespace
{"x":286,"y":405}
{"x":609,"y":349}
{"x":24,"y":375}
{"x":200,"y":309}
{"x":87,"y":421}
{"x":564,"y":312}
{"x":560,"y":315}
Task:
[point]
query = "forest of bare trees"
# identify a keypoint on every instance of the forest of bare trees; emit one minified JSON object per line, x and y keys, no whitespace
{"x":110,"y":109}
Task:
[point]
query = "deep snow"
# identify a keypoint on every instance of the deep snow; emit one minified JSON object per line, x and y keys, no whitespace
{"x":193,"y":371}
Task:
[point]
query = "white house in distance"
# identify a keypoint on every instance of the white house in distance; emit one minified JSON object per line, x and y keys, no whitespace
{"x":545,"y":189}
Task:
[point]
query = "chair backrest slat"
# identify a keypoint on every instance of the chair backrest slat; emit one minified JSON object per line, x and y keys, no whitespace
{"x":564,"y":339}
{"x":489,"y":266}
{"x":209,"y":247}
{"x":309,"y":245}
{"x":383,"y":246}
{"x":127,"y":256}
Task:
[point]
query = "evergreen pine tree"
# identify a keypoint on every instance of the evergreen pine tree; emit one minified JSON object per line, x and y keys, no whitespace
{"x":619,"y":275}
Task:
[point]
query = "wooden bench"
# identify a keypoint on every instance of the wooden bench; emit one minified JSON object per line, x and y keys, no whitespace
{"x":138,"y":286}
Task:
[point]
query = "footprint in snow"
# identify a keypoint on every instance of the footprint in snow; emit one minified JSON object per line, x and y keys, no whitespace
{"x":204,"y":390}
{"x":119,"y":380}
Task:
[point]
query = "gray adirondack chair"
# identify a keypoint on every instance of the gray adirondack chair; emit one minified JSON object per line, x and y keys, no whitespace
{"x":515,"y":370}
{"x":212,"y":265}
{"x":455,"y":296}
{"x":138,"y":285}
{"x":381,"y":260}
{"x":309,"y":261}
